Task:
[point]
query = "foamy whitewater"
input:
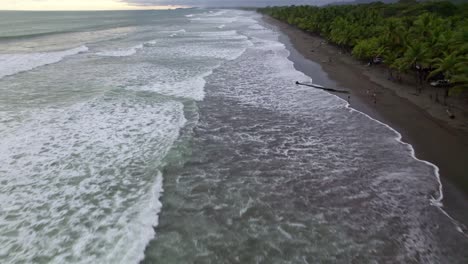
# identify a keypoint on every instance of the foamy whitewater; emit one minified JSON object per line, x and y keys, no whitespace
{"x":98,"y":118}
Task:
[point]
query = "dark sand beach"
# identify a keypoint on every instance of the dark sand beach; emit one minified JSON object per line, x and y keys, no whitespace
{"x":423,"y":124}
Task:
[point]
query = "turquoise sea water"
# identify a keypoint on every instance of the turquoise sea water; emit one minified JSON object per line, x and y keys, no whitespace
{"x":180,"y":137}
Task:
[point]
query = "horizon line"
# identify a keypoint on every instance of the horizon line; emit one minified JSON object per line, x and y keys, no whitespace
{"x":130,"y":8}
{"x":89,"y":10}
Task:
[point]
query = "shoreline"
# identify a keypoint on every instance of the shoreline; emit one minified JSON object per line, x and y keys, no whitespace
{"x":444,"y":144}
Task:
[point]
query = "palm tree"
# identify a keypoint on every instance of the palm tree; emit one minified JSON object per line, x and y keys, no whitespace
{"x":419,"y":36}
{"x":451,"y":65}
{"x":389,"y":59}
{"x":393,"y":33}
{"x":460,"y":38}
{"x":424,"y":25}
{"x":460,"y":82}
{"x":417,"y":57}
{"x":401,"y":66}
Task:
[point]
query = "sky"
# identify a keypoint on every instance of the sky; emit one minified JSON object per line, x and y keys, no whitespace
{"x":82,"y":5}
{"x":139,"y":4}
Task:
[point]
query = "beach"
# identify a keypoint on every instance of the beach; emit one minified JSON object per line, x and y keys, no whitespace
{"x":276,"y":172}
{"x":425,"y":125}
{"x":181,"y":137}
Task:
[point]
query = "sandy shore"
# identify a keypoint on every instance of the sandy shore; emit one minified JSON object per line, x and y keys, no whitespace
{"x":425,"y":125}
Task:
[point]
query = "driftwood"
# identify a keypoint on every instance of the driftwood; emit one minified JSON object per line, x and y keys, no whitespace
{"x":450,"y":114}
{"x":322,"y":88}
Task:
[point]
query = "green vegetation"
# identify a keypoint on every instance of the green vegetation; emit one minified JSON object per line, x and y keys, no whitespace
{"x":429,"y":39}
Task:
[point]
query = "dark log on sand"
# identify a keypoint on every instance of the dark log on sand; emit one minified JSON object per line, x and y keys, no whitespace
{"x":450,"y":114}
{"x":323,"y":88}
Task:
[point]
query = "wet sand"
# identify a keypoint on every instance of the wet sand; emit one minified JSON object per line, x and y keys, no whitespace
{"x":426,"y":127}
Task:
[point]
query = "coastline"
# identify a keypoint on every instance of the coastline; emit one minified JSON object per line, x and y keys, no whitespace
{"x":443,"y":143}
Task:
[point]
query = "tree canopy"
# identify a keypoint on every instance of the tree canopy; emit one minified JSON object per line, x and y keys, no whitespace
{"x":408,"y":35}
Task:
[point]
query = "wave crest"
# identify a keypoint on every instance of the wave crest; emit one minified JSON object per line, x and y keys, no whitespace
{"x":11,"y":64}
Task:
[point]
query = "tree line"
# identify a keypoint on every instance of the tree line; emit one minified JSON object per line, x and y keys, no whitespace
{"x":429,"y":39}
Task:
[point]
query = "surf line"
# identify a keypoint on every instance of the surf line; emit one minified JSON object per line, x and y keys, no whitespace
{"x":322,"y":88}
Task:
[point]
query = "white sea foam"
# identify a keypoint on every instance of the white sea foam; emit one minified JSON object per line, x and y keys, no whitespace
{"x":175,"y":33}
{"x":11,"y":64}
{"x":217,"y":13}
{"x":150,"y":43}
{"x":121,"y":52}
{"x":82,"y":182}
{"x":212,"y":52}
{"x":278,"y":66}
{"x":191,"y":87}
{"x":221,"y":34}
{"x":130,"y":249}
{"x":246,"y":20}
{"x":212,"y":47}
{"x":436,"y":201}
{"x":215,"y":20}
{"x":190,"y":15}
{"x":219,"y":45}
{"x":284,"y":68}
{"x":257,"y":27}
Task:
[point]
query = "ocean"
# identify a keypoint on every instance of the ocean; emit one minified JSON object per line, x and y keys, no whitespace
{"x":180,"y":137}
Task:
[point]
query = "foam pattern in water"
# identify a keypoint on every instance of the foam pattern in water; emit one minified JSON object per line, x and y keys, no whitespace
{"x":121,"y":52}
{"x":81,"y":184}
{"x":15,"y":63}
{"x":183,"y":63}
{"x":82,"y":137}
{"x":287,"y":174}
